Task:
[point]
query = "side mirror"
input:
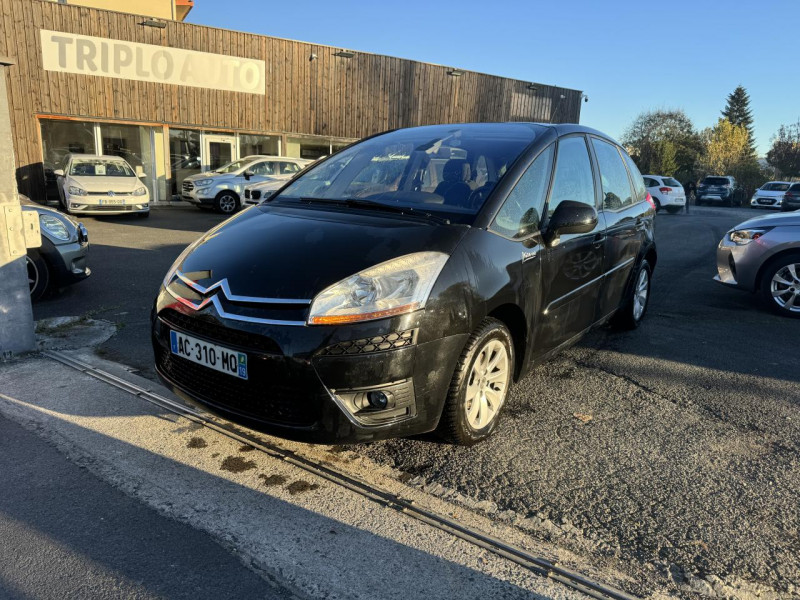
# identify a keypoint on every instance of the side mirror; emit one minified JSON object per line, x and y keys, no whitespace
{"x":571,"y":217}
{"x":139,"y":171}
{"x":58,"y":172}
{"x":248,"y":175}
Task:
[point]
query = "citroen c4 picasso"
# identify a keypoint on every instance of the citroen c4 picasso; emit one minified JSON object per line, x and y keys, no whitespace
{"x":403,"y":284}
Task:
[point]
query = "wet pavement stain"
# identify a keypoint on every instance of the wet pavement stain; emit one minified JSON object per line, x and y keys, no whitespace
{"x":236,"y":464}
{"x":298,"y":487}
{"x":196,"y":442}
{"x":246,"y":448}
{"x":270,"y":480}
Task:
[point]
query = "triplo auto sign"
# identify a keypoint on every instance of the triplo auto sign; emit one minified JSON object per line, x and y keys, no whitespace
{"x":86,"y":55}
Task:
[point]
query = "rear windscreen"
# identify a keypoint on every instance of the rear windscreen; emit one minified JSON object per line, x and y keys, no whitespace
{"x":672,"y":182}
{"x":715,"y":181}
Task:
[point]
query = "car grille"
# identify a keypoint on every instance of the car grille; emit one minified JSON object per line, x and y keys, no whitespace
{"x":255,"y":194}
{"x":111,"y":207}
{"x":276,"y":391}
{"x":380,"y":343}
{"x":188,"y":186}
{"x":226,"y":336}
{"x":106,"y":193}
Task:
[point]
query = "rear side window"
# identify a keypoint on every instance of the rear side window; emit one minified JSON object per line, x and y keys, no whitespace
{"x":521,"y":213}
{"x":672,"y":182}
{"x":617,"y":192}
{"x":650,"y":182}
{"x":573,"y":178}
{"x":639,"y":191}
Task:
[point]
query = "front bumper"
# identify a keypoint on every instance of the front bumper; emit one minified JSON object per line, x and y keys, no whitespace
{"x":88,"y":205}
{"x":202,"y":196}
{"x":69,"y":261}
{"x":302,"y":379}
{"x":737,"y":265}
{"x":765,"y":202}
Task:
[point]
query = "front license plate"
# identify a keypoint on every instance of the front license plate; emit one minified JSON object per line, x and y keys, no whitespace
{"x":212,"y":356}
{"x":112,"y":201}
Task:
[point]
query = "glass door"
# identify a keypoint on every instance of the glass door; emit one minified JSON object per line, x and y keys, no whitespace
{"x":218,"y":150}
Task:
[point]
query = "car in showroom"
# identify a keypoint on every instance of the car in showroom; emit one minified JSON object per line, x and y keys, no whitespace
{"x":369,"y":299}
{"x":763,"y":255}
{"x":94,"y":184}
{"x":666,"y":192}
{"x":769,"y":195}
{"x":223,"y":188}
{"x":791,"y":199}
{"x":61,"y":260}
{"x":715,"y":189}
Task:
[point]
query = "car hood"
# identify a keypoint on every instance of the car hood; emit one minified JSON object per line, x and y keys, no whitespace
{"x":779,"y":220}
{"x":94,"y":183}
{"x":295,"y":253}
{"x":210,"y":175}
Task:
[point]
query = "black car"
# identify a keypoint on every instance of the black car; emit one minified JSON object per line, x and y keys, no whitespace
{"x":791,"y":199}
{"x":402,"y":284}
{"x":719,"y":190}
{"x":61,"y":260}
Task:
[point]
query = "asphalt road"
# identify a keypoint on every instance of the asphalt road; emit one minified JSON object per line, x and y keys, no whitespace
{"x":672,"y":451}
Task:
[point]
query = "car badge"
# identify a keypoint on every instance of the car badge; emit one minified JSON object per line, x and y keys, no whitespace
{"x":110,"y":193}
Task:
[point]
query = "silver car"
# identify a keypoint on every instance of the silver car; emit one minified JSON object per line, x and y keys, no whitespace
{"x":763,"y":255}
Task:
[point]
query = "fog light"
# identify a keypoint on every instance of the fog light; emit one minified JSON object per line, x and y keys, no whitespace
{"x":378,"y":400}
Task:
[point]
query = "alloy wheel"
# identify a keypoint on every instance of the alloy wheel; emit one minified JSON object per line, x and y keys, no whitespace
{"x":640,"y":294}
{"x":227,"y":204}
{"x":487,"y":384}
{"x":785,"y":287}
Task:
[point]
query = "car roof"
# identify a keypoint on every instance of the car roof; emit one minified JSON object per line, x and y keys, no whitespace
{"x":96,"y":156}
{"x":272,"y":157}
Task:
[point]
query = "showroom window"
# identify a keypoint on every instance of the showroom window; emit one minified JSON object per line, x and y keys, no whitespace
{"x":134,"y":144}
{"x":184,"y":156}
{"x":259,"y":144}
{"x":60,"y":138}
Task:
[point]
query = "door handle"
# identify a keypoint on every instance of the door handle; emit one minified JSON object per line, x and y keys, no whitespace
{"x":599,"y":239}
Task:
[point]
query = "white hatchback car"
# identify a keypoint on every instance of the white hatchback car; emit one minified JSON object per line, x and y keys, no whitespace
{"x":666,"y":192}
{"x":95,"y":184}
{"x":770,"y":195}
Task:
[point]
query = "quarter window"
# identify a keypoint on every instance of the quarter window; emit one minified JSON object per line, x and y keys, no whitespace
{"x":521,"y":213}
{"x":613,"y":176}
{"x":640,"y":192}
{"x":573,"y":179}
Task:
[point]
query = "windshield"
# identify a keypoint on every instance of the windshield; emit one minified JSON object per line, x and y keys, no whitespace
{"x":716,"y":181}
{"x":441,"y":168}
{"x":100,"y":168}
{"x":776,"y":187}
{"x":234,"y":166}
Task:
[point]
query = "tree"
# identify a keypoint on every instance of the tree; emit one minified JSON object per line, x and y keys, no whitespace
{"x":726,"y":152}
{"x":738,"y":112}
{"x":664,"y":142}
{"x":784,"y":154}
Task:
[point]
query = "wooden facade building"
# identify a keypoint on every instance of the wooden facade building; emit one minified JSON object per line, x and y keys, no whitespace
{"x":90,"y":80}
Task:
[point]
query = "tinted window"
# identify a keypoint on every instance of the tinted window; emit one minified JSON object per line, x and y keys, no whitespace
{"x":649,"y":182}
{"x":521,"y":213}
{"x":99,"y":168}
{"x":640,"y":192}
{"x":573,"y":178}
{"x":776,"y":187}
{"x":716,"y":181}
{"x":613,"y":176}
{"x":795,"y":188}
{"x":287,"y":168}
{"x":672,"y":182}
{"x":434,"y":168}
{"x":262,"y":168}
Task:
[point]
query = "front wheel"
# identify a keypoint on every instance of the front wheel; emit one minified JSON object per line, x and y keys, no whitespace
{"x":780,"y":285}
{"x":634,"y":306}
{"x":479,"y":386}
{"x":38,"y":275}
{"x":226,"y":203}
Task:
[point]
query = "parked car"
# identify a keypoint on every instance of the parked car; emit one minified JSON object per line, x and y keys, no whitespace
{"x":61,"y":259}
{"x":257,"y":192}
{"x":769,"y":195}
{"x":763,"y":255}
{"x":719,"y":189}
{"x":222,"y":189}
{"x":666,"y":192}
{"x":364,"y":301}
{"x":791,"y":199}
{"x":101,"y":185}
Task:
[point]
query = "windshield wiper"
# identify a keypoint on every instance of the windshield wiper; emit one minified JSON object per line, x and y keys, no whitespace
{"x":402,"y":210}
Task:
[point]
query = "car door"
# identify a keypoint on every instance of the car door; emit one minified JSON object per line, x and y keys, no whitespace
{"x":572,"y":266}
{"x":626,"y":212}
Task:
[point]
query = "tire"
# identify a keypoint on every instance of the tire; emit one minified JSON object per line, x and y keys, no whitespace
{"x":143,"y":215}
{"x":673,"y":210}
{"x":458,"y":423}
{"x":38,"y":275}
{"x":226,"y":202}
{"x":780,"y":289}
{"x":658,"y":204}
{"x":634,"y":306}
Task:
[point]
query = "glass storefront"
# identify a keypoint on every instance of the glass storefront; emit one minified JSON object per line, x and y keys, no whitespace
{"x":184,"y":156}
{"x":307,"y":148}
{"x":60,"y":138}
{"x":134,"y":144}
{"x":259,"y":144}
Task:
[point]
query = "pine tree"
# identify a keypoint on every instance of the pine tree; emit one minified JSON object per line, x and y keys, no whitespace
{"x":738,"y":112}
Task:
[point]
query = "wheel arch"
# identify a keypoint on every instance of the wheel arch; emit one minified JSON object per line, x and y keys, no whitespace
{"x":513,"y":317}
{"x":772,"y":260}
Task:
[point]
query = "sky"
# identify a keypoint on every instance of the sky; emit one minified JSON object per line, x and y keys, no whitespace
{"x":628,"y":56}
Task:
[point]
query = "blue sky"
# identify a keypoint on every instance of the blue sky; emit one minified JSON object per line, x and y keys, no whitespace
{"x":627,"y":55}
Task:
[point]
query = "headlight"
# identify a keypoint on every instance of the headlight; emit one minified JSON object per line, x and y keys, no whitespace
{"x":140,"y":191}
{"x":743,"y":237}
{"x":203,"y":182}
{"x":395,"y":287}
{"x":76,"y":191}
{"x":54,"y":226}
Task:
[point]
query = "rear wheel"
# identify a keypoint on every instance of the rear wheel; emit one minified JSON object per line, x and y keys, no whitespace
{"x":658,"y":204}
{"x":226,"y":203}
{"x":634,"y":306}
{"x":780,"y":285}
{"x":38,"y":275}
{"x":479,"y":386}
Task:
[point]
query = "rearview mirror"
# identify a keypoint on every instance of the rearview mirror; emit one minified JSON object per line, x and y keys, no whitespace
{"x":571,"y":217}
{"x":58,"y":172}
